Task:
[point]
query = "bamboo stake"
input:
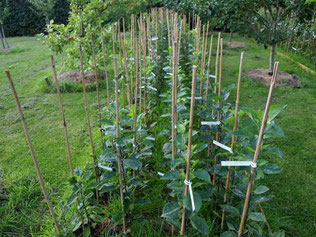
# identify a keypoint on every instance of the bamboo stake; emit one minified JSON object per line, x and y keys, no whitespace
{"x":233,"y":136}
{"x":179,"y":40}
{"x":174,"y":99}
{"x":145,"y":76}
{"x":198,"y":35}
{"x":65,"y":127}
{"x":118,"y":151}
{"x":187,"y":174}
{"x":62,"y":115}
{"x":258,"y":147}
{"x":28,"y":138}
{"x":127,"y":76}
{"x":219,"y":103}
{"x":88,"y":118}
{"x":169,"y":37}
{"x":203,"y":61}
{"x":106,"y":71}
{"x":140,"y":73}
{"x":97,"y":85}
{"x":136,"y":95}
{"x":208,"y":68}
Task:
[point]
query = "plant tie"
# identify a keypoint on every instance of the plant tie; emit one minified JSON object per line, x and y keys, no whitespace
{"x":189,"y":183}
{"x":253,"y":165}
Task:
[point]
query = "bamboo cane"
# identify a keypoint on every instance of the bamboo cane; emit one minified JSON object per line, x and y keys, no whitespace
{"x":88,"y":118}
{"x":219,"y":91}
{"x":136,"y":95}
{"x":203,"y":61}
{"x":258,"y":147}
{"x":187,"y":174}
{"x":106,"y":71}
{"x":233,"y":136}
{"x":127,"y":76}
{"x":174,"y":99}
{"x":65,"y":127}
{"x":208,"y":68}
{"x":118,"y":151}
{"x":28,"y":138}
{"x":198,"y":36}
{"x":145,"y":76}
{"x":62,"y":115}
{"x":97,"y":85}
{"x":169,"y":36}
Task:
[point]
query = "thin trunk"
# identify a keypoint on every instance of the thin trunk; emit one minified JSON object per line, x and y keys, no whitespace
{"x":230,"y":37}
{"x":272,"y":59}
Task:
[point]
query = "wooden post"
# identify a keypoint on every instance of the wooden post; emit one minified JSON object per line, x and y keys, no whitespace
{"x":97,"y":85}
{"x":106,"y":71}
{"x":187,"y":174}
{"x":88,"y":118}
{"x":258,"y":147}
{"x":118,"y":150}
{"x":28,"y":138}
{"x":233,"y":136}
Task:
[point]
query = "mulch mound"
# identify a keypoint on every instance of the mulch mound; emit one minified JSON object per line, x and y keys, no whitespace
{"x":234,"y":45}
{"x":76,"y":77}
{"x":283,"y":79}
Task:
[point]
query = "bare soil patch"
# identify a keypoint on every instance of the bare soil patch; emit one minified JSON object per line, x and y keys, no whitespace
{"x":283,"y":79}
{"x":234,"y":45}
{"x":76,"y":77}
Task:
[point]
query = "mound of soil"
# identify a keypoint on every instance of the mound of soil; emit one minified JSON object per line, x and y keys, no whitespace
{"x":283,"y":79}
{"x":234,"y":45}
{"x":76,"y":77}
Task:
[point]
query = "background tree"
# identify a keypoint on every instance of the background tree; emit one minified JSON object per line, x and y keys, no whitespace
{"x":45,"y":8}
{"x":4,"y":13}
{"x":268,"y":20}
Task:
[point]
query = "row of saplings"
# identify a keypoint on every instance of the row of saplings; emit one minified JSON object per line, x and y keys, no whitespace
{"x":163,"y":151}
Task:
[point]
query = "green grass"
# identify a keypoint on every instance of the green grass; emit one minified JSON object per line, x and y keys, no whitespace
{"x":293,"y":207}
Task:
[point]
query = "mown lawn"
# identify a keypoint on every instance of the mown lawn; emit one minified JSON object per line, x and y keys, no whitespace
{"x":293,"y":207}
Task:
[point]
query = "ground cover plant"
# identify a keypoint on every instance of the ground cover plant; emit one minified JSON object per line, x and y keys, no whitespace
{"x":141,"y":170}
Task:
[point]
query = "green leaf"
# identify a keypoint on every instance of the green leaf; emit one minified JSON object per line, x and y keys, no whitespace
{"x":203,"y":175}
{"x":86,"y":232}
{"x":274,"y":150}
{"x":271,"y":169}
{"x":197,"y":202}
{"x":172,"y":175}
{"x":262,"y":199}
{"x":180,"y":128}
{"x":132,"y":163}
{"x":180,"y":141}
{"x":200,"y":147}
{"x":175,"y":163}
{"x":261,"y":189}
{"x":170,"y":210}
{"x":72,"y":199}
{"x":274,"y":111}
{"x":76,"y":224}
{"x":107,"y":121}
{"x":256,"y":216}
{"x":230,"y":209}
{"x":200,"y":224}
{"x":228,"y":234}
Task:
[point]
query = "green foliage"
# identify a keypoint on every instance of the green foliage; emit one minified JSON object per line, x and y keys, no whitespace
{"x":25,"y":21}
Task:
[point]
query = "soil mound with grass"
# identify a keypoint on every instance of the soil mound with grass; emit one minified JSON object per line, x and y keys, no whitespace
{"x":76,"y":77}
{"x":234,"y":45}
{"x":283,"y":79}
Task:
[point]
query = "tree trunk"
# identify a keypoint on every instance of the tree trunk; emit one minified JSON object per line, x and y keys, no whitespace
{"x":3,"y":38}
{"x":272,"y":59}
{"x":2,"y":41}
{"x":230,"y":37}
{"x":47,"y":20}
